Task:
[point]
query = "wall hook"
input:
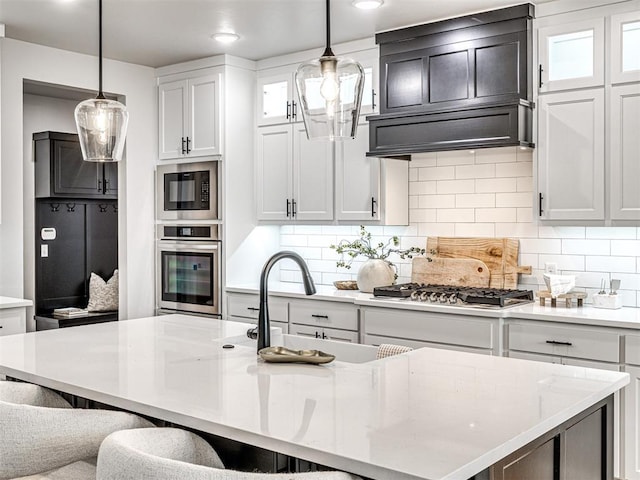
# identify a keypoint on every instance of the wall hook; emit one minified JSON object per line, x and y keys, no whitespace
{"x":102,"y":207}
{"x":115,"y":208}
{"x":71,"y":207}
{"x":54,"y":207}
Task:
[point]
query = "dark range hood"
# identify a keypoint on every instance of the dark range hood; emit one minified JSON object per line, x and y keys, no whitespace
{"x":462,"y":83}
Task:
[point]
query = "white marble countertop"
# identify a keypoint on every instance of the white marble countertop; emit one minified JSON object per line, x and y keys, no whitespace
{"x":9,"y":302}
{"x":625,"y":317}
{"x":427,"y":414}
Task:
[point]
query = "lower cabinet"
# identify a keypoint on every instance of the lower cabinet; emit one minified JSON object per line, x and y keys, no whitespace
{"x":428,"y":329}
{"x":632,"y":409}
{"x":244,"y":307}
{"x":12,"y":321}
{"x":324,"y":319}
{"x":590,"y":347}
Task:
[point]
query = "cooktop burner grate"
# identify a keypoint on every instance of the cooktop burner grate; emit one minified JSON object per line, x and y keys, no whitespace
{"x":452,"y":295}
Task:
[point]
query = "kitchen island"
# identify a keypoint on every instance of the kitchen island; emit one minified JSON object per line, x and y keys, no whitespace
{"x":427,"y":414}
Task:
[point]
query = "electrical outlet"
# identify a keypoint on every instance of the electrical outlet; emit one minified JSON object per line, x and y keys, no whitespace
{"x":550,"y":267}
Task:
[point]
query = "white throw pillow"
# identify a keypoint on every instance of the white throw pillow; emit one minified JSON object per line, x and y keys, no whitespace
{"x":103,"y":296}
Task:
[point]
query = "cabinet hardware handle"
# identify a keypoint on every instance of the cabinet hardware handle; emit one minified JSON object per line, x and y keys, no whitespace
{"x":184,"y":148}
{"x":373,"y":209}
{"x":99,"y":185}
{"x":317,"y":335}
{"x":320,"y":316}
{"x":323,"y":335}
{"x":288,"y":110}
{"x":373,"y":99}
{"x":288,"y":208}
{"x":188,"y":148}
{"x":555,"y":342}
{"x":294,"y":110}
{"x":540,"y":210}
{"x":253,"y":309}
{"x":293,"y":208}
{"x":105,"y":182}
{"x":540,"y":70}
{"x":1,"y":326}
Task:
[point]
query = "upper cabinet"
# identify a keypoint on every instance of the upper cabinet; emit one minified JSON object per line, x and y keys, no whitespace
{"x":61,"y":172}
{"x":571,"y":55}
{"x":625,"y":47}
{"x":455,"y":84}
{"x":189,"y":116}
{"x":277,"y":95}
{"x":589,"y":115}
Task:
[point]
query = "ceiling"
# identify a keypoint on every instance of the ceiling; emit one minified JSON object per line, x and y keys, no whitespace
{"x":163,"y":32}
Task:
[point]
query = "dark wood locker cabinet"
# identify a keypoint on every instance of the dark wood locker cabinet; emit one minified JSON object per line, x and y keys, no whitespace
{"x":102,"y":239}
{"x":61,"y":171}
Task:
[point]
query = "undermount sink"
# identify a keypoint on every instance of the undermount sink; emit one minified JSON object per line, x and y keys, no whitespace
{"x":343,"y":351}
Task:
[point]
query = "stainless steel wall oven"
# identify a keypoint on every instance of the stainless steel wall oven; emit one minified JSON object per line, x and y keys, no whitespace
{"x":188,"y":277}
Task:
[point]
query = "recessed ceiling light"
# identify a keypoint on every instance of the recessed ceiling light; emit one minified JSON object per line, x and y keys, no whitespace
{"x":225,"y":37}
{"x":367,"y":4}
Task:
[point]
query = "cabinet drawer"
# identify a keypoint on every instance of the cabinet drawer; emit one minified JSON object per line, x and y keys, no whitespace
{"x":565,"y":341}
{"x":430,"y":327}
{"x":324,"y":314}
{"x":376,"y":341}
{"x":325,"y":333}
{"x":12,"y":321}
{"x":632,"y":349}
{"x":247,"y":306}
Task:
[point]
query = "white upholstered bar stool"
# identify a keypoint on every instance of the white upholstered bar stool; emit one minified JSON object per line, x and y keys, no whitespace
{"x":43,"y":438}
{"x":172,"y":453}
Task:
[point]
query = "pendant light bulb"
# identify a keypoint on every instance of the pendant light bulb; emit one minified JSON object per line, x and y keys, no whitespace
{"x":329,"y":87}
{"x":101,"y":122}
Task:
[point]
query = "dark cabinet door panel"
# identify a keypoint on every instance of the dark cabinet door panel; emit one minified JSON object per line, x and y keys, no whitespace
{"x":102,"y":239}
{"x":404,"y":83}
{"x":72,"y":175}
{"x":448,"y":75}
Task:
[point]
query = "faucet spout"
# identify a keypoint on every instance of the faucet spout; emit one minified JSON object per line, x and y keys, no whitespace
{"x":264,"y":333}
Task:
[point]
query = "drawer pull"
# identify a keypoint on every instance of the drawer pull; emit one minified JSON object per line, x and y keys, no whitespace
{"x":320,"y":316}
{"x":555,"y":342}
{"x":253,"y":309}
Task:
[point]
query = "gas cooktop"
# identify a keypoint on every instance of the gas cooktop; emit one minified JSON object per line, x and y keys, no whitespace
{"x":461,"y":296}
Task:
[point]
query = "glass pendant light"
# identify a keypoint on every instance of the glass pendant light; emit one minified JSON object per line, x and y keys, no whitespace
{"x":330,"y":91}
{"x":101,"y":123}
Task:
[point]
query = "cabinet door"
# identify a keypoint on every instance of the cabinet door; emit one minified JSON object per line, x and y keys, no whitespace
{"x":625,"y":151}
{"x":71,"y":174}
{"x":571,"y":152}
{"x":172,"y":114}
{"x":274,"y":175}
{"x":312,"y":177}
{"x":204,"y":116}
{"x":110,"y":184}
{"x":275,"y":95}
{"x":357,"y":179}
{"x":571,"y":55}
{"x":625,"y":47}
{"x":370,"y":101}
{"x":632,"y":425}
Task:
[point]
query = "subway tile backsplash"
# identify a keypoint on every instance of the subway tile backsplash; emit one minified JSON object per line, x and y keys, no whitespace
{"x":486,"y":193}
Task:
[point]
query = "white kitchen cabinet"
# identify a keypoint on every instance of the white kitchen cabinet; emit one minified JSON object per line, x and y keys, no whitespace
{"x":571,"y":152}
{"x":632,"y":409}
{"x":12,"y":321}
{"x":324,"y":333}
{"x":242,"y":307}
{"x":419,"y":329}
{"x":625,"y":47}
{"x":294,"y":176}
{"x":277,"y":95}
{"x":370,"y":189}
{"x":189,"y":116}
{"x":624,"y":151}
{"x":571,"y":55}
{"x":320,"y":313}
{"x":277,"y":98}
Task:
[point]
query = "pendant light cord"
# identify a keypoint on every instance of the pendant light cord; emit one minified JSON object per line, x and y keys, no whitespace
{"x":100,"y":93}
{"x":327,"y":51}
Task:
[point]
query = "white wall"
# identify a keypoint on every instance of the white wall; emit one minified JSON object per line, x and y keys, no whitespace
{"x":485,"y":194}
{"x":20,"y":61}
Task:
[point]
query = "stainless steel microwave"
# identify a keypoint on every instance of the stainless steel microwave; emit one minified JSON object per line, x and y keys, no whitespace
{"x":187,"y":191}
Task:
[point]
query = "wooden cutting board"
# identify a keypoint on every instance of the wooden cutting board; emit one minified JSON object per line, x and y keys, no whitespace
{"x":500,"y":255}
{"x":450,"y":271}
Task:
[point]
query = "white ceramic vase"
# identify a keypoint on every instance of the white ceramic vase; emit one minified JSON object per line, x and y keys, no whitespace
{"x":375,"y":273}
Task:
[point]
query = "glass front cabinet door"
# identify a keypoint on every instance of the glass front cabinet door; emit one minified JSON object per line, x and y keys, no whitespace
{"x":625,"y":47}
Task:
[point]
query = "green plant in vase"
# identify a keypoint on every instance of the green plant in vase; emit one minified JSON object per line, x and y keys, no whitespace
{"x":378,"y":270}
